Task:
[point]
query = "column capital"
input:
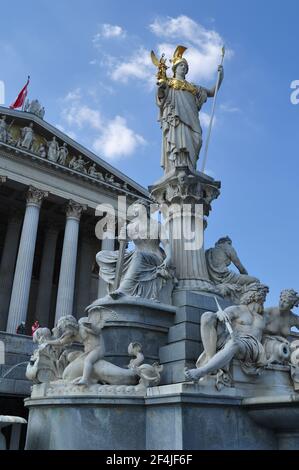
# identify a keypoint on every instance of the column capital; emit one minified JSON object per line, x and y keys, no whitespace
{"x":35,"y":196}
{"x":74,"y":210}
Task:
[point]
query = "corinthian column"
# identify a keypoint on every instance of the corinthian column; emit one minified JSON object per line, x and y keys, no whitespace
{"x":23,"y":272}
{"x":66,"y":285}
{"x":43,"y":302}
{"x":7,"y":267}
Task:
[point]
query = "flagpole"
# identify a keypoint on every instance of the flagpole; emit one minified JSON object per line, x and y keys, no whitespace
{"x":28,"y":80}
{"x":204,"y":161}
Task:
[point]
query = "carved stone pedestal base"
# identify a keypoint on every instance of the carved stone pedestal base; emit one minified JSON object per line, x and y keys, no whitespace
{"x":183,"y":416}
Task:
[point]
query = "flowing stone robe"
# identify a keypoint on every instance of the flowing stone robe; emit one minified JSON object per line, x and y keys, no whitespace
{"x":141,"y":274}
{"x":181,"y":130}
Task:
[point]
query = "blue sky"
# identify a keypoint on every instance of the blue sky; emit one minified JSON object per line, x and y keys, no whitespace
{"x":89,"y":66}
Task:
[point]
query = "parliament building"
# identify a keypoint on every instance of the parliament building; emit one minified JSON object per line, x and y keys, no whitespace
{"x":50,"y":187}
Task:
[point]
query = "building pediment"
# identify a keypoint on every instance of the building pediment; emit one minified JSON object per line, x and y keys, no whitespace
{"x":24,"y":133}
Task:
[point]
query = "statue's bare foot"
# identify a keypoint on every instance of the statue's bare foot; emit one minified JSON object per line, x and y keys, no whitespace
{"x":193,"y":374}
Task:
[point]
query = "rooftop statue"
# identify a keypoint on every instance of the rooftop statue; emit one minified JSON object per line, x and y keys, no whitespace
{"x":53,"y":150}
{"x":62,"y":154}
{"x":3,"y":129}
{"x":34,"y":107}
{"x":179,"y":102}
{"x":27,"y":137}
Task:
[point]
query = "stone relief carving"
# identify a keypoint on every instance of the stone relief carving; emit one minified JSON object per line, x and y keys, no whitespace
{"x":63,"y":154}
{"x":78,"y":164}
{"x":55,"y":360}
{"x":3,"y":129}
{"x":52,"y":151}
{"x":27,"y":137}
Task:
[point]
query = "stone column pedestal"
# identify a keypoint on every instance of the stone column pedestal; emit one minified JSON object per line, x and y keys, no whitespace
{"x":23,"y":272}
{"x":185,"y":202}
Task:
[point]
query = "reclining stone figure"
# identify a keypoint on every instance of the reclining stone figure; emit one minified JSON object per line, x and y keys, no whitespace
{"x":244,"y":340}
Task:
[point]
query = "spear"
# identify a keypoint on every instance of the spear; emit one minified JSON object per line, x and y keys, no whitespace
{"x":226,"y":321}
{"x":204,"y":161}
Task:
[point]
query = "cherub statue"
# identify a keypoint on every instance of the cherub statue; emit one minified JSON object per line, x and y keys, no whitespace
{"x":49,"y":360}
{"x":89,"y":367}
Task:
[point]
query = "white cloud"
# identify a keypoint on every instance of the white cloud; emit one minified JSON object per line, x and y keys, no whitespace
{"x":227,"y":108}
{"x":75,"y":113}
{"x":117,"y":140}
{"x":71,"y":134}
{"x":112,"y":139}
{"x":138,"y":66}
{"x":109,"y":31}
{"x":205,"y":119}
{"x":203,"y":53}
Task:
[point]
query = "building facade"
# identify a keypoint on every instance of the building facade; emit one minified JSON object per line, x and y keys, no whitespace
{"x":50,"y":187}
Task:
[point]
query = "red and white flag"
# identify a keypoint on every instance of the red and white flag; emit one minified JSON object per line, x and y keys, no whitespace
{"x":21,"y":97}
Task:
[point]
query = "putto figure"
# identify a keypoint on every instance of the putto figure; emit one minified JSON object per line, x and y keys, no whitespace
{"x":179,"y":102}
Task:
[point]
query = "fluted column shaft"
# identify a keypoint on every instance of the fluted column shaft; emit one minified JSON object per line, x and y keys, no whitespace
{"x":7,"y":267}
{"x":66,"y":285}
{"x":23,"y":272}
{"x":43,"y":302}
